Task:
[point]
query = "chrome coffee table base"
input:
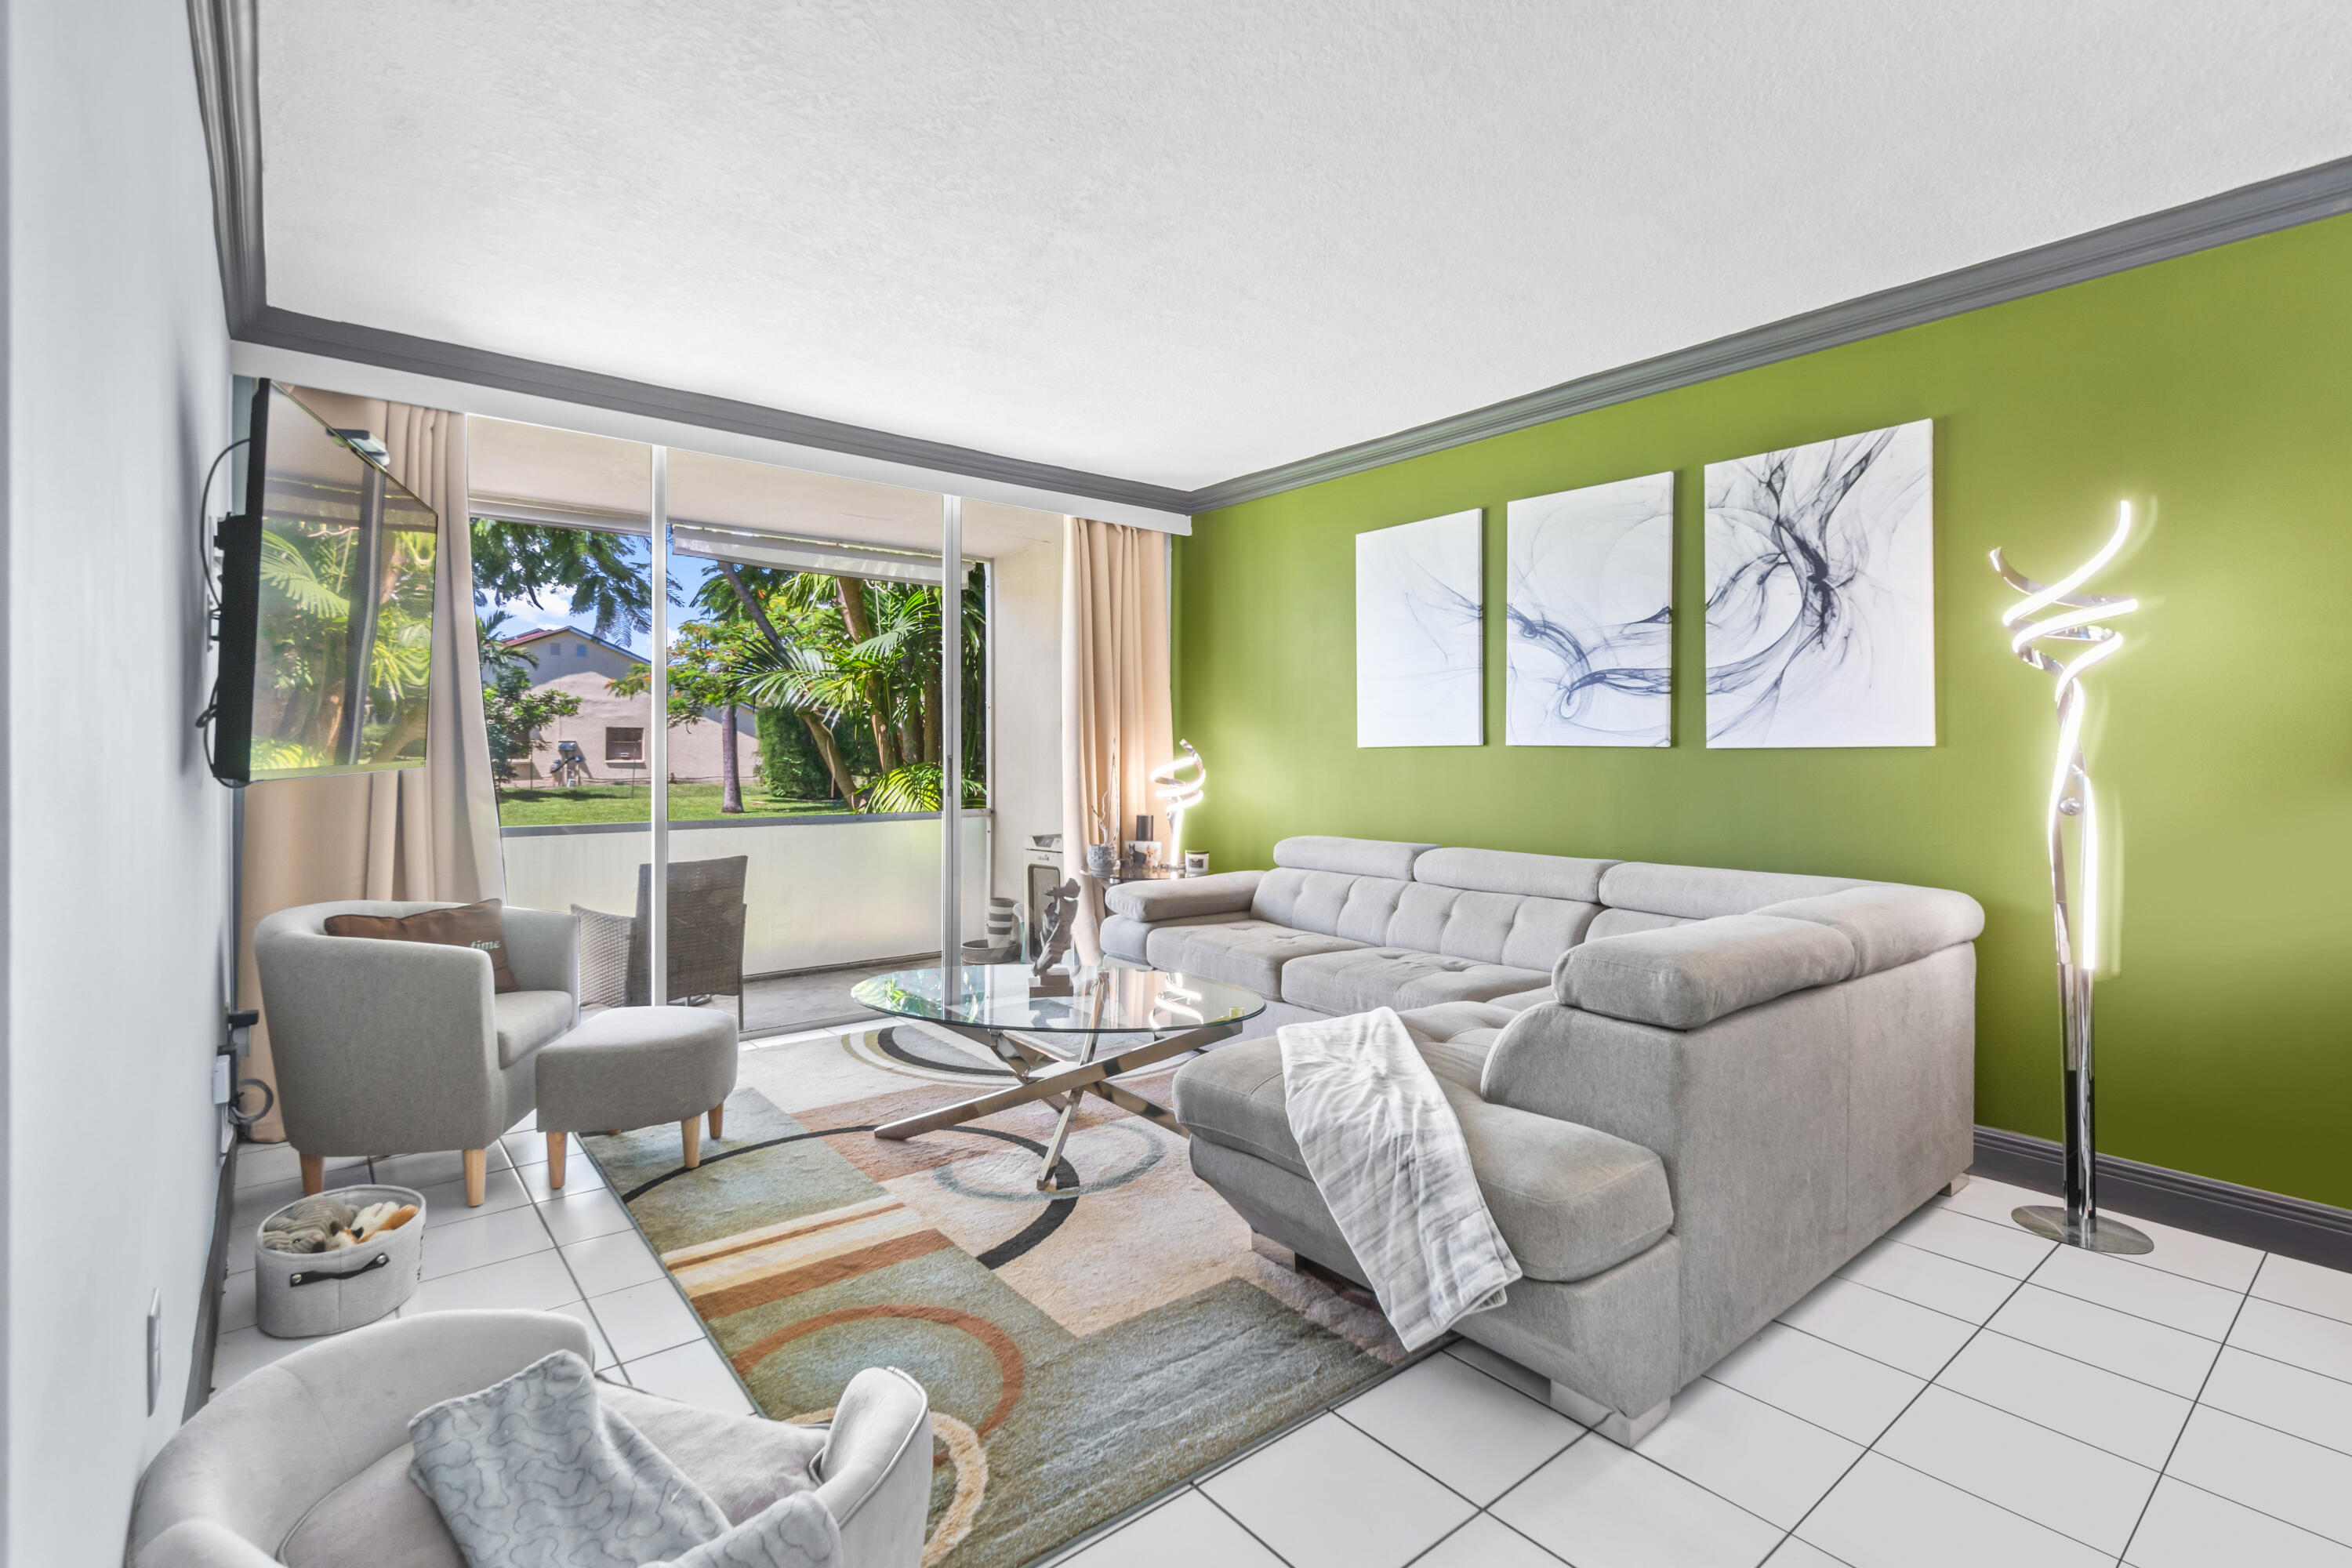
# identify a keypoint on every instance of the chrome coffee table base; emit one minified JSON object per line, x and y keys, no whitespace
{"x":2094,"y":1232}
{"x":1064,"y":1081}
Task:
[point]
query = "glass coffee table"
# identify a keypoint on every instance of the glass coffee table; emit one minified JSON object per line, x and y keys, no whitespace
{"x":1059,"y":1054}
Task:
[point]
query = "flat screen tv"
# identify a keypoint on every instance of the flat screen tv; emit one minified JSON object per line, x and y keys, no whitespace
{"x":326,"y":607}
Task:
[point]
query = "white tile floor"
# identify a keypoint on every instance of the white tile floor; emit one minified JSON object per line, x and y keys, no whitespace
{"x":1962,"y":1392}
{"x":573,"y":1251}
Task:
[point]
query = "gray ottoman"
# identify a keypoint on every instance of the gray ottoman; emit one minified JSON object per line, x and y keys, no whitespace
{"x":633,"y":1067}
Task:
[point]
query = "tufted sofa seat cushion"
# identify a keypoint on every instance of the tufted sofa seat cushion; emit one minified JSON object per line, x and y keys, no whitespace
{"x":1571,"y":1201}
{"x":1248,"y":953}
{"x":1356,"y":979}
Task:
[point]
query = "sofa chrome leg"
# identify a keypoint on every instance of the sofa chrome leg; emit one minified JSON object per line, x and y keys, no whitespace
{"x":1273,"y":1251}
{"x":1952,"y":1188}
{"x":1615,"y":1425}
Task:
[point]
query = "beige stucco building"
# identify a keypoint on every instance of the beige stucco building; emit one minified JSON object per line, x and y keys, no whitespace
{"x":614,"y":732}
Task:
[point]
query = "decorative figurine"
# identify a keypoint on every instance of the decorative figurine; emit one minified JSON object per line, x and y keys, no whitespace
{"x":1061,"y":918}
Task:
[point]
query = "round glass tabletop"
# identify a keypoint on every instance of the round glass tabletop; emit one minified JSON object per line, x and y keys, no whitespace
{"x":1093,"y":1001}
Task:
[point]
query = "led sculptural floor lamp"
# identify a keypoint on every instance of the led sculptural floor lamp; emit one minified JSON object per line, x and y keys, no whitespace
{"x":1178,"y":794}
{"x":2061,"y":613}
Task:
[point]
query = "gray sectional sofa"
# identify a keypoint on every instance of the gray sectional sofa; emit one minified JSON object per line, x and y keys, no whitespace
{"x":1690,"y":1094}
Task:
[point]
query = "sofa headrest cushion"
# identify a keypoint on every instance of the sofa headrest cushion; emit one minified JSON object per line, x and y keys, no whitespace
{"x":1509,"y":871}
{"x":1350,"y":856}
{"x":1890,"y":924}
{"x":1703,"y":892}
{"x":1683,"y":977}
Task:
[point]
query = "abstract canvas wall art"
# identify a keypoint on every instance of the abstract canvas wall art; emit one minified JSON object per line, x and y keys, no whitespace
{"x":1589,"y":594}
{"x":1420,"y":659}
{"x":1821,"y":593}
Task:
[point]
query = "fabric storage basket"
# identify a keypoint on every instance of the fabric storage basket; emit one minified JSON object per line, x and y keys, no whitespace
{"x":298,"y":1295}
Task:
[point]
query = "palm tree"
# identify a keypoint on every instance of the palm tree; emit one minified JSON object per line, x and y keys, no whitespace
{"x":499,"y":657}
{"x":845,"y":645}
{"x":738,"y":595}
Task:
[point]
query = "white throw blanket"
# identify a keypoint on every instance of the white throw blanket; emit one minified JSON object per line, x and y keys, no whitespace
{"x":1387,"y":1155}
{"x":534,"y":1472}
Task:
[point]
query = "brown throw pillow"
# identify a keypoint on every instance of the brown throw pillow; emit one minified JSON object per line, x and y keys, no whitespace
{"x":481,"y":926}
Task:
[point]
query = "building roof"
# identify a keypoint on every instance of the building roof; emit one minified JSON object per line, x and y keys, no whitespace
{"x":544,"y":633}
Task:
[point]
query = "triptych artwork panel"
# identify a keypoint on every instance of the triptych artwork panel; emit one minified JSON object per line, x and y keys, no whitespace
{"x":1821,"y":595}
{"x":1588,"y":595}
{"x":1420,"y":661}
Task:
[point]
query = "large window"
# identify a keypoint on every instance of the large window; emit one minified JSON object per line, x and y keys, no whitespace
{"x":789,"y":693}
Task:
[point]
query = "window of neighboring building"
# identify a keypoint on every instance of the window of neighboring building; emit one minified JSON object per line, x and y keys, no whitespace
{"x":624,"y":745}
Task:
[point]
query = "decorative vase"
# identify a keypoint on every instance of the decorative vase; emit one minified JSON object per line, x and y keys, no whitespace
{"x":1102,"y":861}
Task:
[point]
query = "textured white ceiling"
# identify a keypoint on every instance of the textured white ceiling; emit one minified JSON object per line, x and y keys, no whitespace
{"x":1177,"y":243}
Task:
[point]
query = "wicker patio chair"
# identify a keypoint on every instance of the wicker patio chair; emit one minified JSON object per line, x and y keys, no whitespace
{"x":705,"y":932}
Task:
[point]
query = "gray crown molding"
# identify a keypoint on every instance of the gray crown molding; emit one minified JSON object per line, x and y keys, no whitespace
{"x":225,"y":38}
{"x":221,"y":35}
{"x":277,"y":328}
{"x":2294,"y":1228}
{"x":2304,"y":196}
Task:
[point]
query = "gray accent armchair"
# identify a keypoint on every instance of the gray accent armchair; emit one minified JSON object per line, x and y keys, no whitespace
{"x":399,"y":1048}
{"x":305,"y":1462}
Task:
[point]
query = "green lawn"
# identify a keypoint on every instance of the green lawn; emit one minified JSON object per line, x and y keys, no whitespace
{"x":624,"y":803}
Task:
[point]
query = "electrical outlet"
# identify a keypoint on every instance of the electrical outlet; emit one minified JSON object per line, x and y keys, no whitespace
{"x":220,"y":1080}
{"x":154,"y":1349}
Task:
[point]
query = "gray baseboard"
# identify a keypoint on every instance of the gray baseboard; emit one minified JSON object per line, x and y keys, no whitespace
{"x":2297,"y":1227}
{"x":200,"y":1362}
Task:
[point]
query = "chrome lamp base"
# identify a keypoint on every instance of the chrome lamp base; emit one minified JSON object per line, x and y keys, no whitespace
{"x":2093,"y":1232}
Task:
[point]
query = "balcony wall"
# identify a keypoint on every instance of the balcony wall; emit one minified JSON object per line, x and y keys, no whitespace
{"x":820,"y":890}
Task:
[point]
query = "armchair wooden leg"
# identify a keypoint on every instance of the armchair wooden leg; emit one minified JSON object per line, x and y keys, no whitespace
{"x":478,"y":1175}
{"x":717,"y":1120}
{"x":690,"y":1129}
{"x":556,"y":1144}
{"x":314,"y":1175}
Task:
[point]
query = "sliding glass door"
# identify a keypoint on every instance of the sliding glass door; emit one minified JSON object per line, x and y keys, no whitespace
{"x":757,"y":816}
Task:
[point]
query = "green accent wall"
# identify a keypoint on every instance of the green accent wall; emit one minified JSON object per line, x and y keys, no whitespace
{"x":2214,"y":392}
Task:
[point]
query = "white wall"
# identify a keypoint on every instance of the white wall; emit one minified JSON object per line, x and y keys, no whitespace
{"x":118,"y":396}
{"x":1026,"y":647}
{"x":817,"y":893}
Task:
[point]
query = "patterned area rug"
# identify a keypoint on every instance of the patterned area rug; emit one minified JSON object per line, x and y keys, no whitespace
{"x":1084,"y":1348}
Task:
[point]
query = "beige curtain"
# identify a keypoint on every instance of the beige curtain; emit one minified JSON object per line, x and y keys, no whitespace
{"x":1116,"y":721}
{"x":429,"y":833}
